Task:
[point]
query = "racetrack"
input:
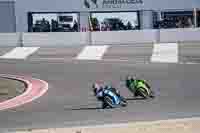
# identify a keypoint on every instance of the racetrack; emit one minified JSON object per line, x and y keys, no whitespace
{"x":69,"y":100}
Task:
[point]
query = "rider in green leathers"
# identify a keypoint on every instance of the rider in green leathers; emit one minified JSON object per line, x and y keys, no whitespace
{"x":133,"y":84}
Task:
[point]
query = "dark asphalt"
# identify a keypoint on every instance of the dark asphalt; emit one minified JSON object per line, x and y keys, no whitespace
{"x":69,"y":101}
{"x":56,"y":52}
{"x":189,"y":52}
{"x":137,"y":53}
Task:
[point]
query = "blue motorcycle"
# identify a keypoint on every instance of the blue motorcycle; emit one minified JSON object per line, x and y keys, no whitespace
{"x":112,"y":100}
{"x":109,"y":96}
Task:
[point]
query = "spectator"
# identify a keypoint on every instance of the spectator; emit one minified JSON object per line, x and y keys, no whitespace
{"x":75,"y":26}
{"x":178,"y":23}
{"x":190,"y":24}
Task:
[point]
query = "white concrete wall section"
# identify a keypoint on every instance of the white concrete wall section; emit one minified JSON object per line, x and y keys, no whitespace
{"x":55,"y":39}
{"x":20,"y":53}
{"x":165,"y":52}
{"x":9,"y":39}
{"x":124,"y":37}
{"x":100,"y":38}
{"x":180,"y":35}
{"x":92,"y":53}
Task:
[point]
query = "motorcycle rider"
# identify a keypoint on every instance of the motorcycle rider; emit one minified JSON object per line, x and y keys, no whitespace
{"x":132,"y":82}
{"x":99,"y":91}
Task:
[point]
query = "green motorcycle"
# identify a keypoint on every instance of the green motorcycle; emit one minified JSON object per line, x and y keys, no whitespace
{"x":139,"y":88}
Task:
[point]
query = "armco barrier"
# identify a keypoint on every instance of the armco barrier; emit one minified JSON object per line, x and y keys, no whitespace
{"x":180,"y":35}
{"x":55,"y":39}
{"x":9,"y":39}
{"x":124,"y":37}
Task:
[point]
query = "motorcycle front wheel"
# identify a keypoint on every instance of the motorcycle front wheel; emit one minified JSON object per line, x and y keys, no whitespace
{"x":123,"y":101}
{"x":152,"y":95}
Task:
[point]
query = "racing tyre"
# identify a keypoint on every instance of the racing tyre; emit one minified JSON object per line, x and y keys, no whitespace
{"x":123,"y":102}
{"x":152,"y":95}
{"x":104,"y":105}
{"x":143,"y":93}
{"x":108,"y":102}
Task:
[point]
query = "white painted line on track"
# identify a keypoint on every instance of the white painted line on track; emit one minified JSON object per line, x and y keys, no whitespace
{"x":92,"y":52}
{"x":165,"y":52}
{"x":20,"y":53}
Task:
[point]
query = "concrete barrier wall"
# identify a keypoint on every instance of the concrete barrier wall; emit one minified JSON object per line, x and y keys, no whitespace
{"x":9,"y":39}
{"x":100,"y":38}
{"x":124,"y":37}
{"x":180,"y":35}
{"x":55,"y":39}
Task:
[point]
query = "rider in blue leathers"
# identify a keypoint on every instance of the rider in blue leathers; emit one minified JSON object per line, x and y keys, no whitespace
{"x":99,"y":91}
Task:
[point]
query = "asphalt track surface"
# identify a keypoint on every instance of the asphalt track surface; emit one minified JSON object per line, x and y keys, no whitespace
{"x":70,"y":102}
{"x":189,"y":52}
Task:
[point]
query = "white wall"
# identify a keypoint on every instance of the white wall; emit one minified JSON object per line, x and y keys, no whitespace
{"x":55,"y":39}
{"x":25,"y":6}
{"x":180,"y":35}
{"x":9,"y":39}
{"x":124,"y":37}
{"x":100,"y":38}
{"x":7,"y":15}
{"x":146,"y":19}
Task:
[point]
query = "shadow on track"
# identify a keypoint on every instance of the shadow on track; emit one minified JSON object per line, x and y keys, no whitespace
{"x":92,"y":107}
{"x":87,"y":108}
{"x":135,"y":99}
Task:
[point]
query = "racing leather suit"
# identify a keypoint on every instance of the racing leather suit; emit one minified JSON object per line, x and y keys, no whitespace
{"x":132,"y":85}
{"x":99,"y":94}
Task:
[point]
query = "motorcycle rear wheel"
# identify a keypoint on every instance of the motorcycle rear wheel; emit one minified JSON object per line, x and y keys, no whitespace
{"x":142,"y":92}
{"x":123,"y":101}
{"x":108,"y":102}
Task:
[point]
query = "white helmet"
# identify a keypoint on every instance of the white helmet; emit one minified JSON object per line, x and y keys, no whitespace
{"x":129,"y":77}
